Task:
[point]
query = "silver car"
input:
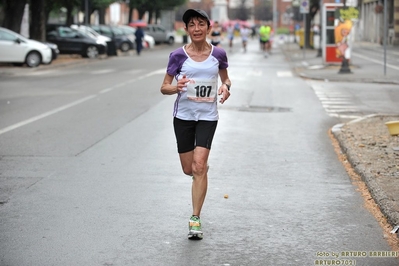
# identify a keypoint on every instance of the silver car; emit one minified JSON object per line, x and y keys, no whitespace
{"x":159,"y":33}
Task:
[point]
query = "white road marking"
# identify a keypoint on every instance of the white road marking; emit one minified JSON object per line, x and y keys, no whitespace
{"x":82,"y":100}
{"x":54,"y":111}
{"x":375,"y":61}
{"x":284,"y":74}
{"x":102,"y":71}
{"x":335,"y":103}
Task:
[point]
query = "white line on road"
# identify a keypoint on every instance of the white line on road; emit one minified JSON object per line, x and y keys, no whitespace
{"x":284,"y":74}
{"x":82,"y":100}
{"x":35,"y":118}
{"x":102,"y":71}
{"x":375,"y":61}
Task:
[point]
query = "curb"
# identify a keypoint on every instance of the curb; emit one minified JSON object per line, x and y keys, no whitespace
{"x":374,"y":188}
{"x":340,"y":78}
{"x":363,"y":80}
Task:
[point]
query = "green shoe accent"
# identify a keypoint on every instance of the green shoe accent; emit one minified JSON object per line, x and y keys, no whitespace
{"x":194,"y":228}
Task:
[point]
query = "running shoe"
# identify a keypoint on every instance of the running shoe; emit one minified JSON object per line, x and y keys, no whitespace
{"x":194,"y":228}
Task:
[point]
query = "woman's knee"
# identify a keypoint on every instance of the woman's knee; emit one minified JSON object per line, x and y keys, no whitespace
{"x":188,"y":170}
{"x":199,"y":168}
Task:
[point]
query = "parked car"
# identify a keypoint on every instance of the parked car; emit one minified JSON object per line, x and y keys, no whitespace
{"x":122,"y":41}
{"x":15,"y":48}
{"x":159,"y":33}
{"x":89,"y":31}
{"x":148,"y":42}
{"x":54,"y":50}
{"x":71,"y":41}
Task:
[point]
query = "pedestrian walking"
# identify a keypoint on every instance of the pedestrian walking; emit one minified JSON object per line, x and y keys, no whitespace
{"x":244,"y":32}
{"x":196,"y":67}
{"x":139,"y":34}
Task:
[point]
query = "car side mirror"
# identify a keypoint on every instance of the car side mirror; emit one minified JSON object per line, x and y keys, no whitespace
{"x":18,"y":40}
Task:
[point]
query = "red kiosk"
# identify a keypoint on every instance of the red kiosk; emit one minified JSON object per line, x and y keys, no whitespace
{"x":328,"y":38}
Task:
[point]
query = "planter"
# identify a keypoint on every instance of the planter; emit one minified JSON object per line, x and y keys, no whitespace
{"x":393,"y":127}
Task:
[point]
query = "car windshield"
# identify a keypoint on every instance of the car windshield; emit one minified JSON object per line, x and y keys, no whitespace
{"x":10,"y":36}
{"x":87,"y":30}
{"x":88,"y":33}
{"x":118,"y":31}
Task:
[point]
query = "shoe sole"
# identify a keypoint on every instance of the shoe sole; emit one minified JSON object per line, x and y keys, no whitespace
{"x":195,"y":236}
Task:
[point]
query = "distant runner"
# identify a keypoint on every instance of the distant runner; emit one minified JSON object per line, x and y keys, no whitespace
{"x":264,"y":38}
{"x":216,"y":34}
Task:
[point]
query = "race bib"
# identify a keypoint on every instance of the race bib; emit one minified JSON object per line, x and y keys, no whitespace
{"x":202,"y":90}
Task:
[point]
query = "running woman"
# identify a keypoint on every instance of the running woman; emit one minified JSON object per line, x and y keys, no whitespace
{"x":264,"y":38}
{"x":196,"y":68}
{"x":244,"y":32}
{"x":215,"y":34}
{"x":230,"y":34}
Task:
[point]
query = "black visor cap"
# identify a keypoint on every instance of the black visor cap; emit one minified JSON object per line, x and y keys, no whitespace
{"x":194,"y":13}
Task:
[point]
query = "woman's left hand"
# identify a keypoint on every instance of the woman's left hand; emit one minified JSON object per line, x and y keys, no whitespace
{"x":224,"y":92}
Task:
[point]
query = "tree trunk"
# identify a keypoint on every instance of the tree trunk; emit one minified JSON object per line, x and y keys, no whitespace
{"x":14,"y":11}
{"x":141,"y":12}
{"x":38,"y":20}
{"x":69,"y":17}
{"x":130,"y":14}
{"x":101,"y":15}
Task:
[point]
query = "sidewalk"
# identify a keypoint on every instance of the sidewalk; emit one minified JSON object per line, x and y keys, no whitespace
{"x":365,"y":143}
{"x":308,"y":65}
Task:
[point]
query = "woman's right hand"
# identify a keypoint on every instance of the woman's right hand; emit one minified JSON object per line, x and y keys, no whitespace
{"x":181,"y":83}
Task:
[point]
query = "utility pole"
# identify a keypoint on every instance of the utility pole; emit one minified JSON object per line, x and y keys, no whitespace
{"x":275,"y":15}
{"x":319,"y":51}
{"x":385,"y":35}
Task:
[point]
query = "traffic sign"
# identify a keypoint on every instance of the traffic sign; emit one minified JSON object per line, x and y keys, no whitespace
{"x":304,"y":7}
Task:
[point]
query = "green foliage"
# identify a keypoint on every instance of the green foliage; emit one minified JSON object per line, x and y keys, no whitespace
{"x":347,"y":13}
{"x":155,"y":4}
{"x":101,"y":3}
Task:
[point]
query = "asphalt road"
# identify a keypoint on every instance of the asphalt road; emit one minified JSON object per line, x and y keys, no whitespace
{"x":89,"y":173}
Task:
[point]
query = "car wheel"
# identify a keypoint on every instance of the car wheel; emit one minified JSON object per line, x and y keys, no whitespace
{"x":33,"y":59}
{"x":91,"y":51}
{"x":171,"y":40}
{"x":125,"y":47}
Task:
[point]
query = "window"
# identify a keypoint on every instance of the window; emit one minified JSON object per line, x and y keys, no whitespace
{"x":67,"y":32}
{"x":6,"y":36}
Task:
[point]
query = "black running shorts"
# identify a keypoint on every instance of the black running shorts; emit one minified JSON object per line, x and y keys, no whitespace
{"x":190,"y":134}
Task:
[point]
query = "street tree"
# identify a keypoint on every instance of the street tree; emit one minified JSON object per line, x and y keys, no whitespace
{"x":152,"y":7}
{"x":13,"y":13}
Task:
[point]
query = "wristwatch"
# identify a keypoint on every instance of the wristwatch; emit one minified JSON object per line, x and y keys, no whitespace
{"x":228,"y":86}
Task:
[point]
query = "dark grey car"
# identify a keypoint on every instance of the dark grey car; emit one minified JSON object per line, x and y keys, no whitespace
{"x":121,"y":40}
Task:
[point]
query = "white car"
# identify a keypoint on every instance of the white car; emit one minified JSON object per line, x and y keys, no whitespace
{"x":15,"y":48}
{"x":92,"y":33}
{"x":149,"y":41}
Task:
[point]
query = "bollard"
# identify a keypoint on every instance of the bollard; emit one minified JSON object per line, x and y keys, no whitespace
{"x":345,"y":67}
